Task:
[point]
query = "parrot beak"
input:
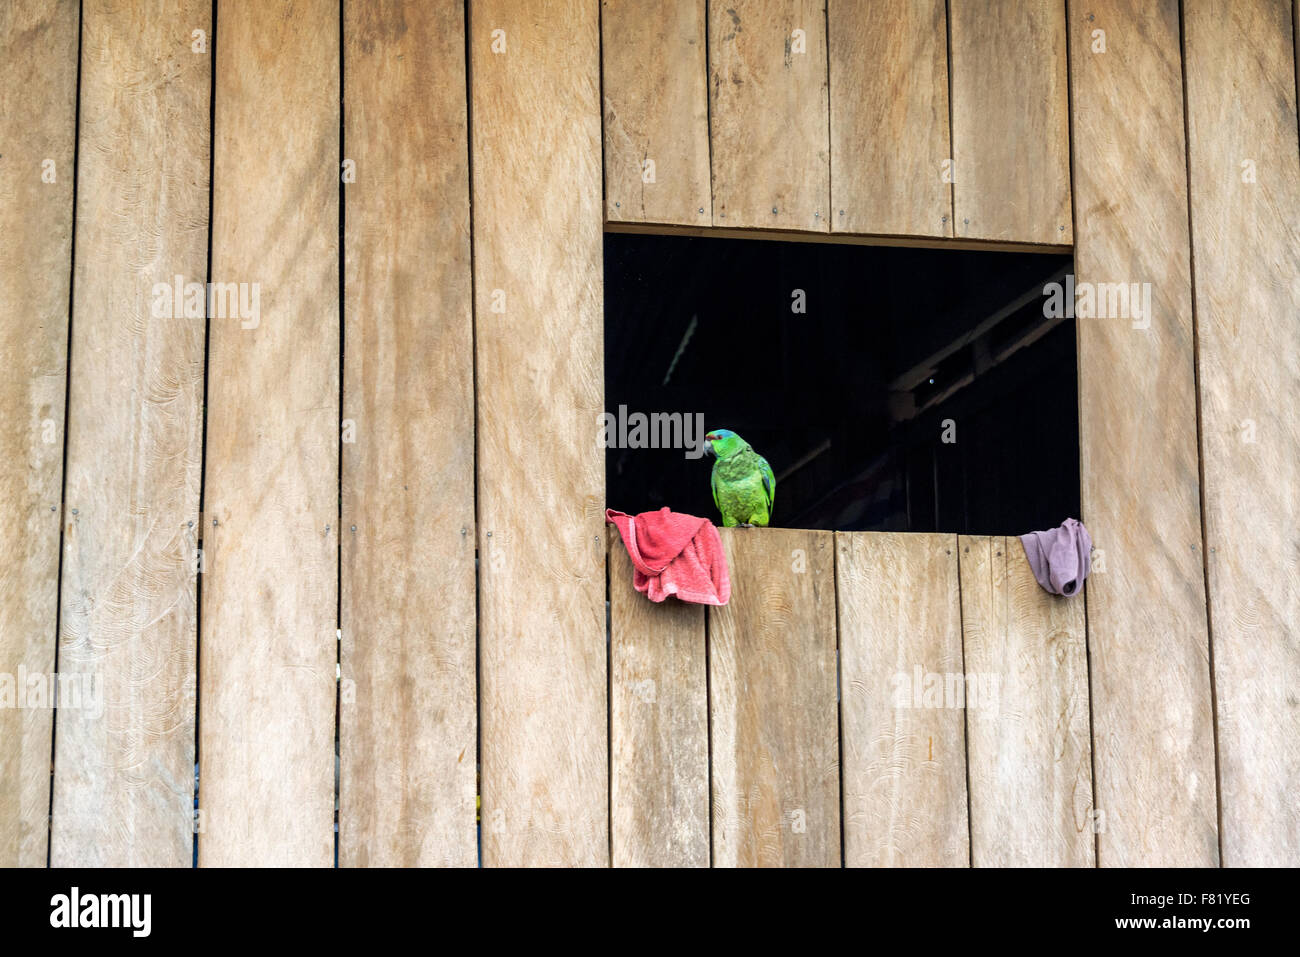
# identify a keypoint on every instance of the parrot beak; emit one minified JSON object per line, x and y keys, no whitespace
{"x":708,"y":450}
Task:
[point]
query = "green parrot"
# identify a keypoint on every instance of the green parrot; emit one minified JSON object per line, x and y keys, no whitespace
{"x":743,"y":483}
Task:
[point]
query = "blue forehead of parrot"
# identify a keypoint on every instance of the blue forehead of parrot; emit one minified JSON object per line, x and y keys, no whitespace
{"x":722,"y":433}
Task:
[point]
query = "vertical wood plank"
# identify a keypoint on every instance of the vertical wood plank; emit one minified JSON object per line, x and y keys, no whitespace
{"x":124,"y":770}
{"x":408,"y":713}
{"x":656,"y":111}
{"x":904,"y":748}
{"x":268,"y":650}
{"x":1010,"y":120}
{"x":776,"y":798}
{"x":38,"y":111}
{"x":1028,"y":749}
{"x":769,"y":114}
{"x":659,"y":725}
{"x":889,"y":117}
{"x":539,"y":328}
{"x":1245,"y":195}
{"x":1153,"y":735}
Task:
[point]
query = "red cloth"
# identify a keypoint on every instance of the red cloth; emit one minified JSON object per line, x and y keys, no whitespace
{"x":674,"y":554}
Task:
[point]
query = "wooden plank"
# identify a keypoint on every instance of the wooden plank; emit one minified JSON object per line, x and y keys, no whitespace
{"x":38,"y":110}
{"x":889,"y":117}
{"x":656,"y":111}
{"x":904,"y":749}
{"x":539,"y":327}
{"x":268,"y":649}
{"x":124,"y":771}
{"x":1010,"y":120}
{"x":659,"y":725}
{"x":1245,"y":195}
{"x":840,"y":239}
{"x":1153,"y":737}
{"x":1029,"y":754}
{"x":408,"y":712}
{"x":776,"y":794}
{"x":769,"y":114}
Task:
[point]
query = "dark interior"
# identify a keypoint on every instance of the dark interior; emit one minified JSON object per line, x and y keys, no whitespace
{"x":849,"y":400}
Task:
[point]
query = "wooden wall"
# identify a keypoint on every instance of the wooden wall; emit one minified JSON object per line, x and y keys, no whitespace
{"x":841,"y":117}
{"x":539,"y":324}
{"x":268,"y":647}
{"x":1040,"y":706}
{"x":742,"y":707}
{"x":888,"y":73}
{"x":1244,"y":166}
{"x":38,"y":124}
{"x":408,"y":719}
{"x":656,"y":126}
{"x":135,"y":442}
{"x":954,"y":120}
{"x":1010,"y":121}
{"x":354,"y":545}
{"x":905,"y":798}
{"x":775,"y":770}
{"x":658,"y":726}
{"x":1137,"y":442}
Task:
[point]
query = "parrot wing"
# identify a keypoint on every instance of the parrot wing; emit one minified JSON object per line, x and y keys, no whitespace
{"x":769,"y":482}
{"x":713,"y":484}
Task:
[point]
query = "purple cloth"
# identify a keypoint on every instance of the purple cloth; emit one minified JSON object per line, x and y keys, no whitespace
{"x":1060,"y":557}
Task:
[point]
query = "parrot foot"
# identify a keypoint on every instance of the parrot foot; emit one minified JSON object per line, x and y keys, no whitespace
{"x":745,"y":525}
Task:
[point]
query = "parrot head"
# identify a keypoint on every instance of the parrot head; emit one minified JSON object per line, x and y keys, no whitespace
{"x":723,"y":443}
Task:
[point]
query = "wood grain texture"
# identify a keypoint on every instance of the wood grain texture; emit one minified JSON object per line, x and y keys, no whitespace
{"x":38,"y":111}
{"x":1153,"y":735}
{"x":657,"y":110}
{"x":904,"y":755}
{"x":1029,"y":753}
{"x":769,"y":114}
{"x":1010,"y":120}
{"x":537,"y":256}
{"x":1245,"y":195}
{"x":124,"y":778}
{"x":776,"y":794}
{"x":838,"y":239}
{"x":659,"y":725}
{"x":889,"y":117}
{"x":408,"y":712}
{"x":268,"y":649}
